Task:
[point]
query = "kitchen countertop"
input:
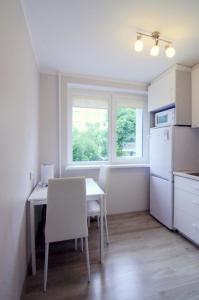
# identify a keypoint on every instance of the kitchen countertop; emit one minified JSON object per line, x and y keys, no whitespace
{"x":187,"y":175}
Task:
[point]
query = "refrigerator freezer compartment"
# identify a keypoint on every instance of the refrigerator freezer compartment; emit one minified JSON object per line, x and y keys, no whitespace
{"x":161,"y":200}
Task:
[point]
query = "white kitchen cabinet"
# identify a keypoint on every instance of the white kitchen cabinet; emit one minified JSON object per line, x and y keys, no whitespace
{"x":195,"y":96}
{"x":172,"y":89}
{"x":188,"y":225}
{"x":161,"y":91}
{"x":186,"y":207}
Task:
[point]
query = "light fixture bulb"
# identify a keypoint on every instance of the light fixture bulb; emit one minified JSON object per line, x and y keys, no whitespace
{"x":155,"y":50}
{"x":170,"y":51}
{"x":139,"y":44}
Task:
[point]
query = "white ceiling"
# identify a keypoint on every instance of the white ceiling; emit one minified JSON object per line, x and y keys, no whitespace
{"x":96,"y":37}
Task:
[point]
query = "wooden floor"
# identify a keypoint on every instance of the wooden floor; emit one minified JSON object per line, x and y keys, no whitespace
{"x":143,"y":261}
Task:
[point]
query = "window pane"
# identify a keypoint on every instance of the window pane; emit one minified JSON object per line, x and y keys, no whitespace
{"x":90,"y":134}
{"x":128,"y":132}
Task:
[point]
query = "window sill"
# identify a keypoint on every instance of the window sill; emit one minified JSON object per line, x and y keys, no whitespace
{"x":113,"y":166}
{"x":126,"y":166}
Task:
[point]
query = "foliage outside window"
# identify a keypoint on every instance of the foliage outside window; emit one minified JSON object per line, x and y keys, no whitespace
{"x":90,"y":136}
{"x":103,"y":131}
{"x":126,"y":132}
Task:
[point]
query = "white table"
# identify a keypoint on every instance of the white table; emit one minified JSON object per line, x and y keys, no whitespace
{"x":39,"y":197}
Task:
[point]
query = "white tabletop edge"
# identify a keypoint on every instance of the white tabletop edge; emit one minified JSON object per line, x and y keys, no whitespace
{"x":92,"y":190}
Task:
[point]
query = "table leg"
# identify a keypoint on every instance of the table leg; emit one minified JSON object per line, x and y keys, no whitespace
{"x":32,"y":237}
{"x":102,"y":229}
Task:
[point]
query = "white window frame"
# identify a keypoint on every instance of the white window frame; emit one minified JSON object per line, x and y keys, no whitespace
{"x":139,"y":121}
{"x":112,"y":159}
{"x":69,"y":126}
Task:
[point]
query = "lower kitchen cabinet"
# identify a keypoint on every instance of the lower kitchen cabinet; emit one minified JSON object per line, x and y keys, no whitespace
{"x":186,"y":207}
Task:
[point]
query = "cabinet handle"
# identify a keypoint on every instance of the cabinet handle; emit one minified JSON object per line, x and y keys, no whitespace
{"x":195,"y":202}
{"x":195,"y":226}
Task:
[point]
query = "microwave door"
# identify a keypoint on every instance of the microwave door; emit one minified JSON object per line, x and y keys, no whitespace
{"x":161,"y":120}
{"x":161,"y":152}
{"x":165,"y":118}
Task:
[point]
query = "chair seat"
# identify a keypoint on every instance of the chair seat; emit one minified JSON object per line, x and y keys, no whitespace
{"x":93,"y":208}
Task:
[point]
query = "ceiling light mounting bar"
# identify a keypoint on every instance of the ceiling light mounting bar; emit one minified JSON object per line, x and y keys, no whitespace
{"x":153,"y":35}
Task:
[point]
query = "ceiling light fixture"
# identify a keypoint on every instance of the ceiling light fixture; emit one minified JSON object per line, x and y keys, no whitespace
{"x":139,"y":45}
{"x":169,"y":50}
{"x":155,"y":49}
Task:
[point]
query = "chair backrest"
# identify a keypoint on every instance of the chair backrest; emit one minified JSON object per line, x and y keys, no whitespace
{"x":103,"y":177}
{"x":66,"y":215}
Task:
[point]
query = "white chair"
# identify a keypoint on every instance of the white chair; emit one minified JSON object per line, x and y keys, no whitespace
{"x":93,"y":207}
{"x":66,"y":215}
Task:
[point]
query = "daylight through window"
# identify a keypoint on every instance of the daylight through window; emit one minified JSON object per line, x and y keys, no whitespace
{"x":105,"y":128}
{"x":90,"y":134}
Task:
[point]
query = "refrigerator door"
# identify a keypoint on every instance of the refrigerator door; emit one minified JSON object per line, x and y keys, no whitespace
{"x":161,"y":200}
{"x":161,"y":141}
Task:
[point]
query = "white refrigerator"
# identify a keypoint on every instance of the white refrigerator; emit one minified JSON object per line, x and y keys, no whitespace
{"x":172,"y":148}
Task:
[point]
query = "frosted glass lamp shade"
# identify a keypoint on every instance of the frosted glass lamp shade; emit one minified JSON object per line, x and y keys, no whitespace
{"x":139,"y":45}
{"x":47,"y":172}
{"x":170,"y":51}
{"x":155,"y":50}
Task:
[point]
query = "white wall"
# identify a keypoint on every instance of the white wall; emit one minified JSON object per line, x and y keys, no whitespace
{"x":48,"y":108}
{"x":18,"y":144}
{"x":129,"y":188}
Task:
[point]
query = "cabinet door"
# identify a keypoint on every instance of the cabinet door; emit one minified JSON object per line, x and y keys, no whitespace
{"x":183,"y":97}
{"x":187,"y":224}
{"x":187,"y":202}
{"x":161,"y":92}
{"x":195,"y":96}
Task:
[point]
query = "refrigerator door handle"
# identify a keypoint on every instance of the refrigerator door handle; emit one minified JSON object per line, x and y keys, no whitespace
{"x":166,"y":135}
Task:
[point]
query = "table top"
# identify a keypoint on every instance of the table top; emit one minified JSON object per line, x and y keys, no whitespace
{"x":39,"y":194}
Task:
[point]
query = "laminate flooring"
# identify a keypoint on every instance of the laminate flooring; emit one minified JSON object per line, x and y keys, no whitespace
{"x":144,"y":260}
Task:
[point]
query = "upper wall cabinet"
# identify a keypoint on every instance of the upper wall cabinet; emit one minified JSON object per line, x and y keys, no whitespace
{"x":195,"y":96}
{"x":172,"y":88}
{"x":161,"y":91}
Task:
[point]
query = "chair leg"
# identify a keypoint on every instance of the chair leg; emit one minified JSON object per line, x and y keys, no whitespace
{"x":106,"y":229}
{"x":75,"y":244}
{"x":46,"y":266}
{"x":87,"y":258}
{"x":89,"y":221}
{"x":82,"y":244}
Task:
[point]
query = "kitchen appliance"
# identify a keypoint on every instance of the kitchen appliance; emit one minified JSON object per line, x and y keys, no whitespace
{"x":172,"y":148}
{"x":165,"y":118}
{"x":47,"y":172}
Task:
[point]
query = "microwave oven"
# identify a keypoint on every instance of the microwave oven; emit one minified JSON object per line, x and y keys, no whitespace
{"x":165,"y":118}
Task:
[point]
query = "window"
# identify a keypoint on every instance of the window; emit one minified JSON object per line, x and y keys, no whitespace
{"x":105,"y":127}
{"x":89,"y":134}
{"x":128,"y":132}
{"x":127,"y":128}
